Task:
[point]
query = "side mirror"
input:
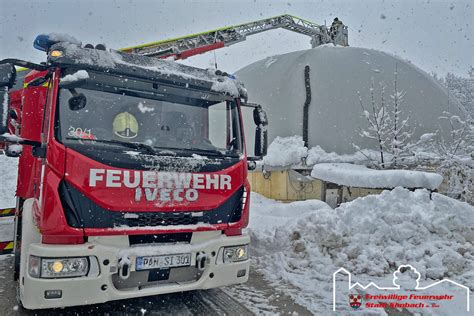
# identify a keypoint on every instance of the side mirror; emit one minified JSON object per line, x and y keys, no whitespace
{"x":77,"y":102}
{"x":7,"y":75}
{"x":260,"y":116}
{"x":261,"y":133}
{"x":261,"y":141}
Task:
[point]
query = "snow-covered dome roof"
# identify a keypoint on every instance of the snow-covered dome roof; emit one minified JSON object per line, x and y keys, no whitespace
{"x":337,"y":75}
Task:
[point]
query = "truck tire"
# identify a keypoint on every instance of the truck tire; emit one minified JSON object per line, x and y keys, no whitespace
{"x":17,"y":251}
{"x":17,"y":240}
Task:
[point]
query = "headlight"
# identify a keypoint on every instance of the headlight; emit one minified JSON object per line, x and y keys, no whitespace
{"x":235,"y":254}
{"x":58,"y":267}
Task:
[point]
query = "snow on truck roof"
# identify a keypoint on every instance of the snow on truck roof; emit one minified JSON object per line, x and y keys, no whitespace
{"x":73,"y":55}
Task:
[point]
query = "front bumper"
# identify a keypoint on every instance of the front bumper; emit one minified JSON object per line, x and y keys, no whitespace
{"x":108,"y":250}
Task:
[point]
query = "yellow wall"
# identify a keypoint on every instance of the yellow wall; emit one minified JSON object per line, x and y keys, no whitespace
{"x":278,"y":185}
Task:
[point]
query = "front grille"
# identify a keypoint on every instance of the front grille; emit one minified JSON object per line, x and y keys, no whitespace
{"x":157,"y":219}
{"x":161,"y":238}
{"x":82,"y":212}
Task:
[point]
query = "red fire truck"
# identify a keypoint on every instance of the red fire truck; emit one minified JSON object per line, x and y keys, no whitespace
{"x":132,"y":177}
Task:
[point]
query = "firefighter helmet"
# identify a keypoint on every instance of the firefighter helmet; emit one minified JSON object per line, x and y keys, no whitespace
{"x":125,"y":125}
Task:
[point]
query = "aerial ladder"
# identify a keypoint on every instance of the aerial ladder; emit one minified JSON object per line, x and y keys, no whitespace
{"x":199,"y":43}
{"x":194,"y":44}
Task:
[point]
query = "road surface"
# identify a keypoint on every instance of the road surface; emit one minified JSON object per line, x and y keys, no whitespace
{"x":255,"y":297}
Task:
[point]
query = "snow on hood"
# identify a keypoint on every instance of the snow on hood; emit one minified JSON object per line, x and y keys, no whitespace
{"x":361,"y":176}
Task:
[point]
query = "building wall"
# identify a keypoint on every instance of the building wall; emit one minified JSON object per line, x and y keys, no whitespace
{"x":280,"y":185}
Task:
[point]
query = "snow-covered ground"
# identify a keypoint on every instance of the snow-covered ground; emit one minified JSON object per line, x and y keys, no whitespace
{"x":298,"y":246}
{"x":8,"y":170}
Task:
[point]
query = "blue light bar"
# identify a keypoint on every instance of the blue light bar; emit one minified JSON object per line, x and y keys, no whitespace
{"x":43,"y":42}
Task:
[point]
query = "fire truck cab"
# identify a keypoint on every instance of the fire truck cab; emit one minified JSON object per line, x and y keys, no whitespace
{"x":132,"y":175}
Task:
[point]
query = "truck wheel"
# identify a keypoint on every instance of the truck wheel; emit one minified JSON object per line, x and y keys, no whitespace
{"x":17,"y":253}
{"x":18,"y":300}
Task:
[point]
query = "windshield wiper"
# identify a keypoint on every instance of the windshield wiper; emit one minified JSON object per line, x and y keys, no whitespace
{"x":214,"y":152}
{"x":195,"y":150}
{"x":134,"y":145}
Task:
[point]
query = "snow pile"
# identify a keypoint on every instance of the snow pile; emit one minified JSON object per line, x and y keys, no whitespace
{"x":319,"y":155}
{"x":8,"y":170}
{"x":286,"y":151}
{"x":77,"y":76}
{"x":290,"y":151}
{"x":300,"y":248}
{"x":361,"y":176}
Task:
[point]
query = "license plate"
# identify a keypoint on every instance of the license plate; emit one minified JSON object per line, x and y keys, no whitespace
{"x":160,"y":262}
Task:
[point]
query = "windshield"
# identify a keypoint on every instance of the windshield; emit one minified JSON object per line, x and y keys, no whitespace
{"x":110,"y":119}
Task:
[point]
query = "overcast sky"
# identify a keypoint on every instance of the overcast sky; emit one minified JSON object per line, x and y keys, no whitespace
{"x":435,"y":35}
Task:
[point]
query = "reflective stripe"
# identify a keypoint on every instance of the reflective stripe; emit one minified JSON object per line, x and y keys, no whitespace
{"x":46,"y":84}
{"x":7,"y":212}
{"x":6,"y":247}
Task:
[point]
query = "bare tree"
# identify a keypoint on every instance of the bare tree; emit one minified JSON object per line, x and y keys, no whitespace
{"x":387,"y":126}
{"x":401,"y":132}
{"x":455,"y":156}
{"x":377,"y":119}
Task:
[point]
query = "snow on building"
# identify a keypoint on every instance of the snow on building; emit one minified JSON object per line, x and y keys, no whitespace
{"x":291,"y":172}
{"x":337,"y":76}
{"x":343,"y":182}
